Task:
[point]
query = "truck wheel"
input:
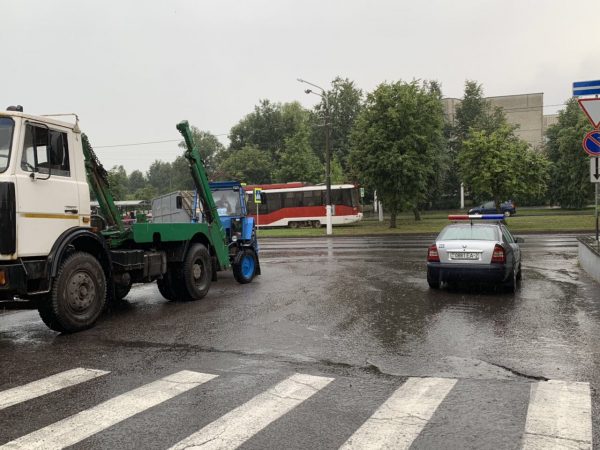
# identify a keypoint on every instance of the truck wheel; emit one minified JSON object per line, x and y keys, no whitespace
{"x":165,"y":287}
{"x":78,"y":295}
{"x":121,"y":291}
{"x":244,"y":266}
{"x":196,"y":273}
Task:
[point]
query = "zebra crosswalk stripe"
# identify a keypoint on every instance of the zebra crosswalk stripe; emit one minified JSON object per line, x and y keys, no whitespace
{"x":47,"y":385}
{"x":401,"y":418}
{"x":82,"y":425}
{"x":559,"y":416}
{"x":240,"y":424}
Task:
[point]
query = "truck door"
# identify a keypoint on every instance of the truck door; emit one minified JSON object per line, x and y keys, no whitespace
{"x":47,"y":194}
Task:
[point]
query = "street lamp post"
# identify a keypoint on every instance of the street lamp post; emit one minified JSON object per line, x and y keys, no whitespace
{"x":328,"y":208}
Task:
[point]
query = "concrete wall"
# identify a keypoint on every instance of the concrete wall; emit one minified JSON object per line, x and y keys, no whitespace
{"x":524,"y":110}
{"x":589,"y":257}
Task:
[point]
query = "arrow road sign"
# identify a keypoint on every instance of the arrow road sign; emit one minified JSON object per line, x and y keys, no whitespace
{"x":594,"y":170}
{"x":586,"y":88}
{"x":591,"y":108}
{"x":591,"y":143}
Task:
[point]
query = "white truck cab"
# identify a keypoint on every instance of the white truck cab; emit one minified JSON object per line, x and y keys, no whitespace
{"x":43,"y":186}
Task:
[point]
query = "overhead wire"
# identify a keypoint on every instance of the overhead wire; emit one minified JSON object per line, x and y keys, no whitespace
{"x":165,"y":141}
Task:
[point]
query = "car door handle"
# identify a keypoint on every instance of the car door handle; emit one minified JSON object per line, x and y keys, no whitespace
{"x":71,"y":211}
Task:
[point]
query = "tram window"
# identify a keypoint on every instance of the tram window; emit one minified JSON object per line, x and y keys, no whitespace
{"x":312,"y":198}
{"x":347,"y":197}
{"x":336,"y":197}
{"x":292,"y":199}
{"x":273,"y":201}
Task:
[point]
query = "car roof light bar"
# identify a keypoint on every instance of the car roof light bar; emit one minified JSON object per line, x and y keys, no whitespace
{"x":476,"y":217}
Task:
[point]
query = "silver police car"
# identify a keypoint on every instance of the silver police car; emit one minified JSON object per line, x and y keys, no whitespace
{"x":475,"y":248}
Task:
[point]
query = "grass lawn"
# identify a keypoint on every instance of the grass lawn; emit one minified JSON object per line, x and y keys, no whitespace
{"x":540,"y":221}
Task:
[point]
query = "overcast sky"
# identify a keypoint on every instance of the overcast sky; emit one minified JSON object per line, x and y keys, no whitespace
{"x":133,"y":69}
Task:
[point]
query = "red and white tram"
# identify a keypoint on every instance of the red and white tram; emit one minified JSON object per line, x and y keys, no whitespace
{"x":297,"y":204}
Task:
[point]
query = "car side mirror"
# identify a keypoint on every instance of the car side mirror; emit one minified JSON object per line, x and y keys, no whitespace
{"x":519,"y":240}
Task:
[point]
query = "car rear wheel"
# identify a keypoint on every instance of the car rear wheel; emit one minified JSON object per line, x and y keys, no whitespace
{"x":511,"y":283}
{"x":432,"y":281}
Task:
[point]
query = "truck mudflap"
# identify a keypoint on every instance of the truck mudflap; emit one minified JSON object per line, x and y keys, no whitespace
{"x":8,"y":234}
{"x":13,"y":281}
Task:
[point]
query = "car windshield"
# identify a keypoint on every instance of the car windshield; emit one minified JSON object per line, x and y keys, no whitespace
{"x":228,"y":202}
{"x":7,"y":126}
{"x":469,"y":233}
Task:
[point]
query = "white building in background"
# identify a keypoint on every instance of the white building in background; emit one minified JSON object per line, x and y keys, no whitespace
{"x":524,"y":110}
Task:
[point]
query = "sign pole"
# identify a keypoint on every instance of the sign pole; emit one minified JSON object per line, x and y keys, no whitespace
{"x":596,"y":184}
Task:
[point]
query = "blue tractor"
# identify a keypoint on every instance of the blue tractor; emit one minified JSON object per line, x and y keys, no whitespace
{"x":239,"y":228}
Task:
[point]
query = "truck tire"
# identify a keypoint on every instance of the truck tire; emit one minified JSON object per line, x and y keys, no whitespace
{"x":244,"y":266}
{"x":195,"y":275}
{"x":121,"y":291}
{"x":78,"y":295}
{"x":165,"y":287}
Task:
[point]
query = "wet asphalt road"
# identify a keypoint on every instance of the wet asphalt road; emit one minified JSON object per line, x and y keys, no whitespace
{"x":357,"y":310}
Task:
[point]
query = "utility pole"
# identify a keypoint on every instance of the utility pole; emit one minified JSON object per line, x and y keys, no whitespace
{"x":328,"y":207}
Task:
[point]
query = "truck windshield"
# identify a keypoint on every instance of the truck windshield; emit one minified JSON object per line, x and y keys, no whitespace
{"x":7,"y":126}
{"x":228,"y":203}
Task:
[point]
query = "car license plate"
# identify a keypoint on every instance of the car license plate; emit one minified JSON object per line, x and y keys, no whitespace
{"x":464,"y":255}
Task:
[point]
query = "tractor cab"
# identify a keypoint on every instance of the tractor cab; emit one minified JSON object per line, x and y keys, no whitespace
{"x":231,"y":206}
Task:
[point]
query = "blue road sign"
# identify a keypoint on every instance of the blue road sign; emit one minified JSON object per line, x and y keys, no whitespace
{"x":586,"y":88}
{"x":591,"y":143}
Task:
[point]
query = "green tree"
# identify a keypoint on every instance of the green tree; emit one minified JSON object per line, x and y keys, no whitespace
{"x":182,"y":178}
{"x":345,"y":103}
{"x":209,"y":147}
{"x":146,"y":193}
{"x":499,"y":165}
{"x":395,"y":142}
{"x":136,"y":181}
{"x":337,"y":172}
{"x":570,"y":186}
{"x":160,"y":177}
{"x":298,"y":161}
{"x":473,"y":113}
{"x":263,"y":128}
{"x":249,"y":164}
{"x":118,"y":182}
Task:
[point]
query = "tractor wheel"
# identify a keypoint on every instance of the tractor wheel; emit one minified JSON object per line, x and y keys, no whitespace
{"x":78,"y":295}
{"x":193,"y":280}
{"x":245,"y":265}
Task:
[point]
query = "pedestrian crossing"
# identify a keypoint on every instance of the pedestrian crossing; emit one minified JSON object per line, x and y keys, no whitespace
{"x":559,"y":413}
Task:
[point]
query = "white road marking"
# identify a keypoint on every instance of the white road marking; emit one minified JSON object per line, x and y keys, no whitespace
{"x":559,"y":416}
{"x":241,"y":423}
{"x":47,"y":385}
{"x":82,"y":425}
{"x":397,"y":422}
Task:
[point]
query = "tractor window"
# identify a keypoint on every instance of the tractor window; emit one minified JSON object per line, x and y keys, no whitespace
{"x":228,"y":203}
{"x":7,"y":126}
{"x":45,"y":151}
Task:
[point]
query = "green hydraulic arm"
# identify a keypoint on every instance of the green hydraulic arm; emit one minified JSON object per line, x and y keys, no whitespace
{"x":216,"y":230}
{"x":98,"y":180}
